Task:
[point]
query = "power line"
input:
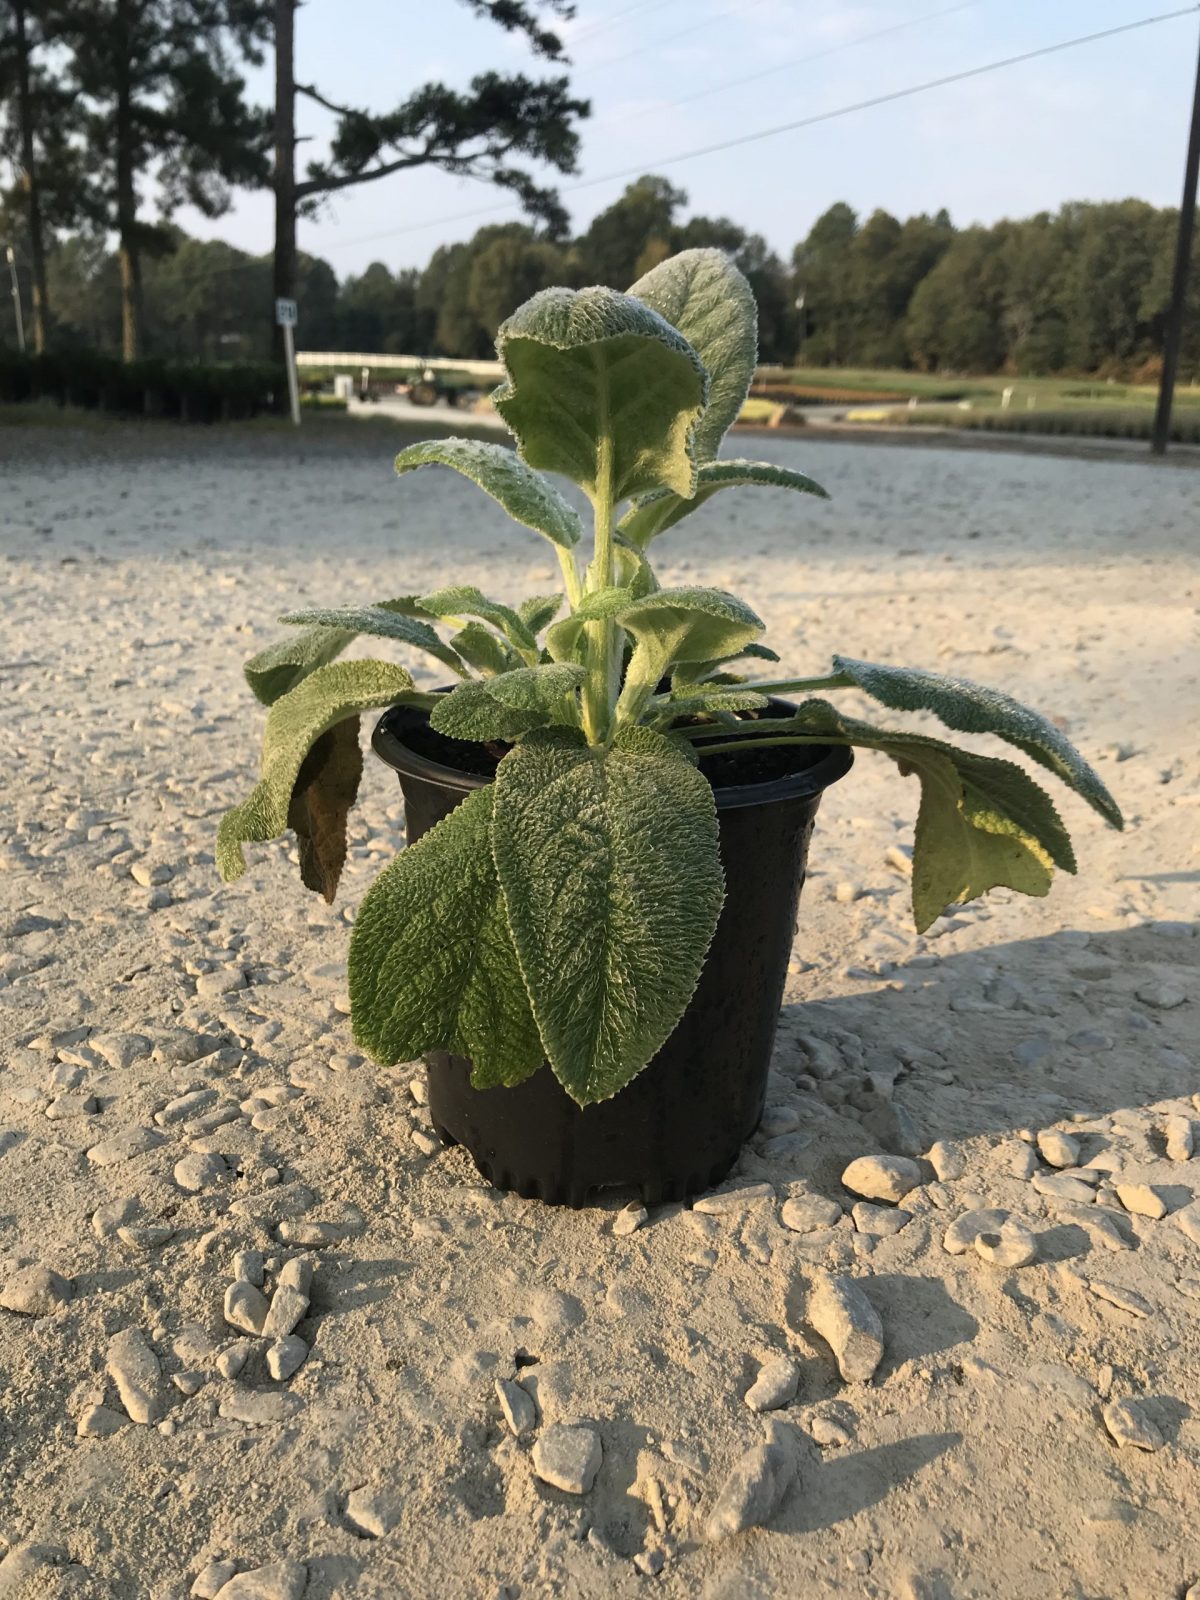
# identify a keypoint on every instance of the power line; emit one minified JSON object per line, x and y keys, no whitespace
{"x":670,"y":38}
{"x":619,"y":16}
{"x":790,"y":127}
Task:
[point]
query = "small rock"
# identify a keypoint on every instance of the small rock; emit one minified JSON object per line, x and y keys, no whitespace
{"x":880,"y":1222}
{"x":1124,"y":1299}
{"x":373,"y":1512}
{"x":120,"y":1050}
{"x":98,"y":1422}
{"x":1188,"y":1220}
{"x":1012,"y":1246}
{"x":246,"y":1307}
{"x":149,"y":874}
{"x":1161,"y":996}
{"x":295,"y":1274}
{"x":947,"y":1161}
{"x":849,"y":1324}
{"x":286,"y":1356}
{"x":35,"y":1291}
{"x":188,"y":1382}
{"x":248,"y":1268}
{"x":196,"y":1173}
{"x":260,"y":1407}
{"x":892,"y":1125}
{"x":135,"y":1370}
{"x":723,"y":1201}
{"x":310,"y":1234}
{"x":961,"y":1235}
{"x":776,"y":1385}
{"x":567,"y":1458}
{"x":280,"y":1580}
{"x":1101,"y":1224}
{"x":124,"y":1146}
{"x":752,"y":1492}
{"x":1057,"y":1148}
{"x":846,"y":893}
{"x":808,"y":1212}
{"x":1024,"y":1163}
{"x":288,"y":1308}
{"x":882,"y":1177}
{"x":210,"y":1579}
{"x":1179,"y":1139}
{"x":212,"y":985}
{"x":150,"y":1237}
{"x":629,"y":1219}
{"x":1064,"y":1186}
{"x":518,"y":1407}
{"x":1142,"y":1200}
{"x":828,"y":1431}
{"x":649,"y":1562}
{"x":1128,"y":1423}
{"x":234,"y":1357}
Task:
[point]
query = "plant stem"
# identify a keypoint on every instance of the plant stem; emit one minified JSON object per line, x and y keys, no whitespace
{"x":762,"y":725}
{"x":835,"y":680}
{"x":602,"y":656}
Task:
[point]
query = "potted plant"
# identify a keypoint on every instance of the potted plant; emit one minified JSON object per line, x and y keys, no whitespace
{"x":588,"y":932}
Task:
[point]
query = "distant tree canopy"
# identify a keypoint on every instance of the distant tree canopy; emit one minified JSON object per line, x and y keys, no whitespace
{"x":1081,"y":290}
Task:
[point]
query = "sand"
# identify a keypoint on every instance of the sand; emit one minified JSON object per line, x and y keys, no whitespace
{"x":981,"y":1458}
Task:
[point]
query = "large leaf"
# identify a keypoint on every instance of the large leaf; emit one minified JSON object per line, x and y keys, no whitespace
{"x":483,"y":649}
{"x":704,"y":701}
{"x":379,"y":622}
{"x":295,"y":723}
{"x":326,"y":788}
{"x":548,"y":690}
{"x":282,"y":665}
{"x":465,"y":600}
{"x":432,"y":965}
{"x":693,"y":672}
{"x":610,"y":871}
{"x":982,"y":822}
{"x":527,"y":498}
{"x":539,"y":611}
{"x":654,"y":514}
{"x":703,"y":294}
{"x":972,"y":708}
{"x":601,"y":389}
{"x":563,"y":638}
{"x":470,"y":712}
{"x":675,"y":625}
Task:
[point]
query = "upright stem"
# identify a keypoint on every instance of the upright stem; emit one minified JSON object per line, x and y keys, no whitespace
{"x":128,"y":243}
{"x":29,"y":181}
{"x":284,"y":268}
{"x":603,"y":649}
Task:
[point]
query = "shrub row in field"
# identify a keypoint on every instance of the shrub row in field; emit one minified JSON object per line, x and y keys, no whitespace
{"x":188,"y":391}
{"x":1106,"y":424}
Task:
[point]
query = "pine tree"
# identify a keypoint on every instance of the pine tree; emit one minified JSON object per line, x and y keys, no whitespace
{"x":475,"y":133}
{"x":162,"y":102}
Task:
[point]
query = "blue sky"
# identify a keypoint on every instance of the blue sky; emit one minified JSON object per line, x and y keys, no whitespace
{"x":1102,"y":121}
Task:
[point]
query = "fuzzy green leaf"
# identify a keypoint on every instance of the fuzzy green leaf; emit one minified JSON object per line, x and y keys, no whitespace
{"x":563,"y":638}
{"x":282,"y":665}
{"x":675,"y":625}
{"x":465,"y":600}
{"x":379,"y":622}
{"x":470,"y":712}
{"x":693,"y":672}
{"x":432,"y":965}
{"x":527,"y":498}
{"x":611,"y":874}
{"x":542,"y":689}
{"x":539,"y":611}
{"x":655,"y":513}
{"x":599,"y":386}
{"x":325,"y":790}
{"x":982,"y":822}
{"x":703,"y":294}
{"x":484,"y":650}
{"x":973,"y":708}
{"x":295,"y":723}
{"x":702,"y":702}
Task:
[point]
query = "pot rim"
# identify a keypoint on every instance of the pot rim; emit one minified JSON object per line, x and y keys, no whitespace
{"x":833,"y":763}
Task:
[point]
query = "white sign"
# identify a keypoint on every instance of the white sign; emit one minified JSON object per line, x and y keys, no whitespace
{"x":285,"y":313}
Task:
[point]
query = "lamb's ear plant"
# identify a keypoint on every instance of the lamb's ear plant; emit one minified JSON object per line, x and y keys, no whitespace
{"x":563,"y":912}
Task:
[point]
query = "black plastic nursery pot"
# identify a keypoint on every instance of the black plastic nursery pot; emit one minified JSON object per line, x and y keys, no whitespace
{"x":677,"y":1128}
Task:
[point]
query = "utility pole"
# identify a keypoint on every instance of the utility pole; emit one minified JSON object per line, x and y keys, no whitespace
{"x":29,"y":180}
{"x":1179,"y":284}
{"x":285,"y":163}
{"x":16,"y":295}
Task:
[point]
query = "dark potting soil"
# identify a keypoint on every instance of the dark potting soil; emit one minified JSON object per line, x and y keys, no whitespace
{"x":742,"y":766}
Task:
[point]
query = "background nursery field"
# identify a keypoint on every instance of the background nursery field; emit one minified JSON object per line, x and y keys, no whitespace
{"x":178,"y":1084}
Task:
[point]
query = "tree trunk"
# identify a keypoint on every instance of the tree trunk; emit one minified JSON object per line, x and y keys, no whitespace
{"x":29,"y":182}
{"x":128,"y":244}
{"x":285,"y":163}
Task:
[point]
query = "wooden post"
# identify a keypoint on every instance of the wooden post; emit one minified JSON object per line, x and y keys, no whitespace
{"x":1173,"y":334}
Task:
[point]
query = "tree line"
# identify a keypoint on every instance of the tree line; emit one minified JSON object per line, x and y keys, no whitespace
{"x":109,"y":108}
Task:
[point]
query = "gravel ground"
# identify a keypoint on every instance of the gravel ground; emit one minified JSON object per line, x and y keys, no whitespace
{"x":261,"y":1338}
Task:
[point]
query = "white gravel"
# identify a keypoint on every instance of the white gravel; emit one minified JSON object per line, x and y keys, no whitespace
{"x":171,"y":1019}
